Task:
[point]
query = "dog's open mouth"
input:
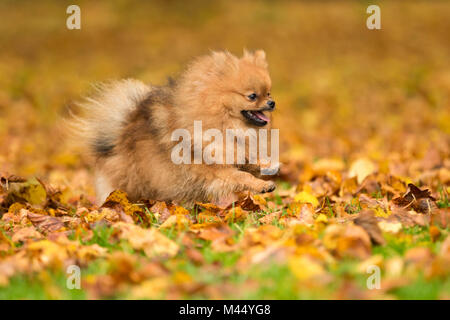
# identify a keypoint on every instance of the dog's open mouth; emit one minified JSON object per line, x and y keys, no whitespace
{"x":256,"y":117}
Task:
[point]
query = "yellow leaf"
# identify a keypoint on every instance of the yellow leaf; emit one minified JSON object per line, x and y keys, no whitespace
{"x":235,"y":214}
{"x":305,"y":197}
{"x":180,"y":211}
{"x":375,"y":260}
{"x":379,"y":212}
{"x":150,"y":289}
{"x":48,"y":252}
{"x":32,"y":191}
{"x":181,"y":277}
{"x":179,"y":221}
{"x":322,"y":218}
{"x":305,"y":268}
{"x":259,"y":199}
{"x":361,"y":168}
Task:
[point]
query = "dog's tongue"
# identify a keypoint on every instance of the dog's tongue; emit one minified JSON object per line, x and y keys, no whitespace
{"x":260,"y":115}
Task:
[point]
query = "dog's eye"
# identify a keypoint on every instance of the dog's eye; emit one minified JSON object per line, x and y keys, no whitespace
{"x":252,"y":97}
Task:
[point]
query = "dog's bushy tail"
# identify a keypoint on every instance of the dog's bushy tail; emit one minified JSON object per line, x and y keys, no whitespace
{"x":100,"y":119}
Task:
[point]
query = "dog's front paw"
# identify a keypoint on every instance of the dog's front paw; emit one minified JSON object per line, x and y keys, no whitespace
{"x":268,"y":186}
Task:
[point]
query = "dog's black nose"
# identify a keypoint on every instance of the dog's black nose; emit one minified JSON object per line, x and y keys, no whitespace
{"x":271,"y":104}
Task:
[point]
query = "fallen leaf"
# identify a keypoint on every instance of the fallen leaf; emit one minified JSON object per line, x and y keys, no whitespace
{"x":347,"y":241}
{"x":435,"y":233}
{"x":269,"y":218}
{"x":419,"y":200}
{"x":217,"y":232}
{"x":119,"y":202}
{"x":151,"y":241}
{"x":178,"y":221}
{"x":235,"y":214}
{"x":250,"y":202}
{"x":6,"y":179}
{"x":361,"y":168}
{"x":305,"y":197}
{"x":391,"y":227}
{"x":441,"y":217}
{"x":150,"y":289}
{"x":368,"y":221}
{"x":24,"y":234}
{"x":305,"y":268}
{"x":45,"y":223}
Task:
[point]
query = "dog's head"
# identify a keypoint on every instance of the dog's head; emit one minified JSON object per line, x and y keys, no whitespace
{"x":227,"y":85}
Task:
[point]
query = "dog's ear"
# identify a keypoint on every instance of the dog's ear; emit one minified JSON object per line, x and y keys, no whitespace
{"x":258,"y":57}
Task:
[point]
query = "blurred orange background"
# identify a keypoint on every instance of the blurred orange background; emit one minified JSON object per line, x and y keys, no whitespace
{"x":342,"y":90}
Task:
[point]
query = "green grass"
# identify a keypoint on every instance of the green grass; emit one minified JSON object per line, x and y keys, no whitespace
{"x":33,"y":287}
{"x":423,"y":289}
{"x":102,"y":236}
{"x":443,"y":202}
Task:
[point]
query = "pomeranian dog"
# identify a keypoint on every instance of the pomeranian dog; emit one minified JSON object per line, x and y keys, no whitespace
{"x":127,"y":127}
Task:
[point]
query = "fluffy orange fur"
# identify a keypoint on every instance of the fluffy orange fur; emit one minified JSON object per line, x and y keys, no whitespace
{"x":127,"y":127}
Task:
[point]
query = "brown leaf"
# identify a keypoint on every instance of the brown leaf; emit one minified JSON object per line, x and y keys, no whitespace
{"x":347,"y":241}
{"x":218,"y":232}
{"x":53,"y":197}
{"x":368,"y":221}
{"x":195,"y":256}
{"x":250,"y":202}
{"x":118,"y":200}
{"x":419,"y":256}
{"x":445,"y":249}
{"x":45,"y":223}
{"x":161,"y":211}
{"x":269,"y":218}
{"x":408,"y":219}
{"x":26,"y":233}
{"x":417,"y":199}
{"x":6,"y":179}
{"x":441,"y":217}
